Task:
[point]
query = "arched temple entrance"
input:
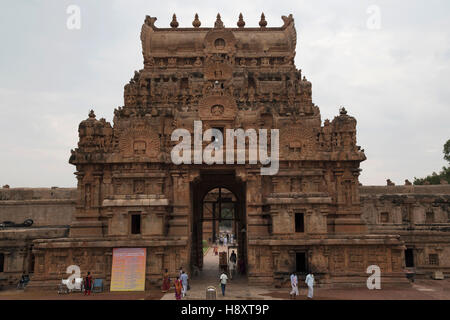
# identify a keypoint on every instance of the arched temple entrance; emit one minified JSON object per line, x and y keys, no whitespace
{"x":218,"y":209}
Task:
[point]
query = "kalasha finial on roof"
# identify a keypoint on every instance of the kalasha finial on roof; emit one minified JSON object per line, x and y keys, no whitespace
{"x":219,"y":23}
{"x":174,"y":23}
{"x":92,"y":114}
{"x":196,"y":23}
{"x":241,"y":22}
{"x":342,"y":111}
{"x":263,"y":22}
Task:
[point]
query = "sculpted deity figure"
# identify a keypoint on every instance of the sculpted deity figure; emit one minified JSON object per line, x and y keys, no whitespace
{"x":198,"y":62}
{"x":251,"y":94}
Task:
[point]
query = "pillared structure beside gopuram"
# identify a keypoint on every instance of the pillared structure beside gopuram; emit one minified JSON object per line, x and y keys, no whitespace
{"x":307,"y":217}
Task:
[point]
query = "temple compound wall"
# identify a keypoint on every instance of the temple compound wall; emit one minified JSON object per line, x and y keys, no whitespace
{"x":420,"y":215}
{"x":51,"y":212}
{"x":385,"y":209}
{"x":308,"y":216}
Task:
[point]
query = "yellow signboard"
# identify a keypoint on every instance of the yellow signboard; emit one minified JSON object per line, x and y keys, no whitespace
{"x":128,"y":269}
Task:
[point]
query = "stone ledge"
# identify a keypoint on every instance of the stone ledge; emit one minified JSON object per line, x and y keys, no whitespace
{"x":135,"y":202}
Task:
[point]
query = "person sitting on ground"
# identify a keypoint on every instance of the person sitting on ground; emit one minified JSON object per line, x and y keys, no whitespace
{"x":24,"y":280}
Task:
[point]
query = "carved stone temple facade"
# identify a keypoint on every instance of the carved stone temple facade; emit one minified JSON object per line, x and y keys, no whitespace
{"x":130,"y":194}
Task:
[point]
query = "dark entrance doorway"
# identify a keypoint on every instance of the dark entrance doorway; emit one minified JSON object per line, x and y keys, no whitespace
{"x":409,"y":258}
{"x":218,"y":209}
{"x":301,"y":265}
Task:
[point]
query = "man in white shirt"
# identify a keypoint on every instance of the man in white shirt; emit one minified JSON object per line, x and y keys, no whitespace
{"x":310,"y":283}
{"x":223,"y":281}
{"x":294,"y":285}
{"x":184,"y":282}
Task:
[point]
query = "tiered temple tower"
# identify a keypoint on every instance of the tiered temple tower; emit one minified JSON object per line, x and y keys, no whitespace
{"x":306,"y":217}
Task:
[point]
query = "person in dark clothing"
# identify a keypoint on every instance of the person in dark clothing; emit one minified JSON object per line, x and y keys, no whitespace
{"x":88,"y":284}
{"x":233,"y":257}
{"x":24,"y":280}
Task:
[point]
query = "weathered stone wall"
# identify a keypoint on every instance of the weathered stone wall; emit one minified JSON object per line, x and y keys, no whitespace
{"x":419,"y":214}
{"x":406,"y":208}
{"x":51,"y":210}
{"x":45,"y":206}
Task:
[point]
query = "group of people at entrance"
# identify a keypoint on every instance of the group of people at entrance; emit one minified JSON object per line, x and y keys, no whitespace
{"x":225,"y":239}
{"x":309,"y":283}
{"x":181,"y":284}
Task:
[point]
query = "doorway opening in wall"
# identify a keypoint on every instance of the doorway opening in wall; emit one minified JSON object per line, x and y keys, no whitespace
{"x":299,"y":222}
{"x":218,"y":225}
{"x":409,"y":258}
{"x":31,"y":260}
{"x":136,"y":223}
{"x":301,"y":265}
{"x":2,"y":262}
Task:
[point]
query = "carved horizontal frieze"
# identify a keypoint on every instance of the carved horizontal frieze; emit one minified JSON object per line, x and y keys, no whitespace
{"x":135,"y":202}
{"x":291,"y":200}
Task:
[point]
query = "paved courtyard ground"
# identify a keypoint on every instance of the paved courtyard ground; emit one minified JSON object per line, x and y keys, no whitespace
{"x":238,"y":289}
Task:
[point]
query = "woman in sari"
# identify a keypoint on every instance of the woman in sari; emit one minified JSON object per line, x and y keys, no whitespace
{"x":178,"y":287}
{"x":166,"y":282}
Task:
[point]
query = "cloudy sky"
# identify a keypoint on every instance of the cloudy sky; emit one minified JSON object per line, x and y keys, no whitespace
{"x":387,"y":62}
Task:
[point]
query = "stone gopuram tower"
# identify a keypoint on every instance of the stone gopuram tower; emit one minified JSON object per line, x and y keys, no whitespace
{"x":307,"y":217}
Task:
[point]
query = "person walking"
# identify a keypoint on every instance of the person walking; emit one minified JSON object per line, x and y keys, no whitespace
{"x":233,"y":260}
{"x":233,"y":257}
{"x":177,"y":284}
{"x":88,"y":284}
{"x":184,"y":281}
{"x":310,"y":283}
{"x":166,"y":282}
{"x":294,"y":285}
{"x":223,"y":282}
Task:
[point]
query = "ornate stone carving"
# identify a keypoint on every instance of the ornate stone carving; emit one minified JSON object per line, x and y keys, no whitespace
{"x":139,"y":141}
{"x":297,"y":141}
{"x":217,"y":107}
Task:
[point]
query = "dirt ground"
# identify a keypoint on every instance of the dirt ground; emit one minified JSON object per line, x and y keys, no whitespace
{"x":420,"y":290}
{"x":48,"y":295}
{"x":238,"y":289}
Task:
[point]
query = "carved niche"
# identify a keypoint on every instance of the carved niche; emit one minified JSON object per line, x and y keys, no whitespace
{"x":296,"y":141}
{"x":217,"y":69}
{"x":142,"y":141}
{"x":217,"y":107}
{"x":220,"y":41}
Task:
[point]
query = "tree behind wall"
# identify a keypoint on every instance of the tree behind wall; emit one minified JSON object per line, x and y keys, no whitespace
{"x":444,"y":174}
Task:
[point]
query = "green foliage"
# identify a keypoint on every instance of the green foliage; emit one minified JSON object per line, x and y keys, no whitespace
{"x":447,"y":151}
{"x":226,"y":214}
{"x":435,"y":178}
{"x":205,"y":246}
